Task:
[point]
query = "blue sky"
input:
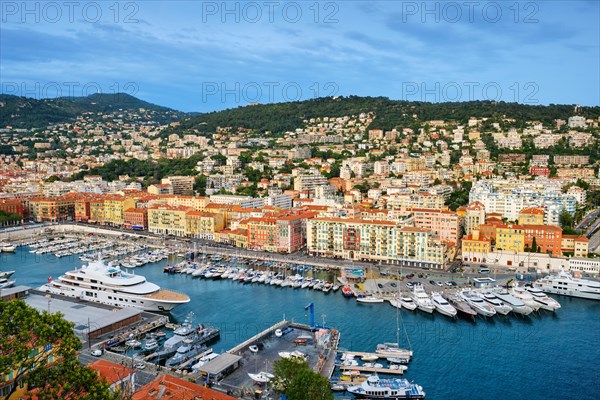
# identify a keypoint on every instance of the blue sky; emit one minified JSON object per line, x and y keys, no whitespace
{"x":205,"y":56}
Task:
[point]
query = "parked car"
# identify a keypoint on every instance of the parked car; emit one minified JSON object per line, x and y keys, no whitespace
{"x":140,"y":365}
{"x":393,"y":284}
{"x":439,"y":283}
{"x":97,"y":352}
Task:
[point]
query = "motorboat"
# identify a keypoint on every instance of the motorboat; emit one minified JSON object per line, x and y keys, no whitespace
{"x":442,"y":305}
{"x":518,"y":306}
{"x":422,"y":300}
{"x":261,"y":377}
{"x":526,"y":297}
{"x":151,"y":344}
{"x":368,"y":298}
{"x":8,"y":248}
{"x":6,"y":274}
{"x":546,"y":302}
{"x":461,"y":305}
{"x":369,"y":357}
{"x":374,"y":388}
{"x":565,"y":284}
{"x":499,"y":305}
{"x":477,"y":303}
{"x":253,"y":348}
{"x":185,"y":352}
{"x":5,"y":283}
{"x":347,"y":291}
{"x":132,"y":343}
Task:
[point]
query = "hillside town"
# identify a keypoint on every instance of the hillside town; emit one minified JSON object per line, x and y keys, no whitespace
{"x":482,"y":192}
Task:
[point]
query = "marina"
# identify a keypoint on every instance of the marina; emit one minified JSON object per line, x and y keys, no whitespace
{"x":241,"y":311}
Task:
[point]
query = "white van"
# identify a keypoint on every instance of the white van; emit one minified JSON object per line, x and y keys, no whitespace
{"x":484,"y":270}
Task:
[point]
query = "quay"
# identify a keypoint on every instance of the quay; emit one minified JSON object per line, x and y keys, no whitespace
{"x":383,"y":354}
{"x":381,"y":370}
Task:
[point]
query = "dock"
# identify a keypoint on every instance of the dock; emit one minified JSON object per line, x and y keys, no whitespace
{"x":384,"y":354}
{"x":371,"y":369}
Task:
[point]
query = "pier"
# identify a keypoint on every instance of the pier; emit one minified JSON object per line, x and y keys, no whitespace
{"x":381,"y":370}
{"x":383,"y":354}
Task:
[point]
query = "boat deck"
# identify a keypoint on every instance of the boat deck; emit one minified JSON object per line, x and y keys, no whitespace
{"x":168,"y":295}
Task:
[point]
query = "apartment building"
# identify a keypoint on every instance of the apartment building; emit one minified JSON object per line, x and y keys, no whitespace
{"x":474,"y":216}
{"x":183,"y":185}
{"x":510,"y":238}
{"x":548,"y":238}
{"x":279,"y":232}
{"x":203,"y":225}
{"x":167,"y":220}
{"x":442,"y":224}
{"x":531,"y":216}
{"x":370,"y":240}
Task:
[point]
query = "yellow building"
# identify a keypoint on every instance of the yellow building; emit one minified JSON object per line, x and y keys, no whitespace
{"x":203,"y":225}
{"x":474,"y":244}
{"x":531,"y":216}
{"x":97,"y":210}
{"x":578,"y":245}
{"x":510,"y":238}
{"x":167,"y":220}
{"x":114,"y":209}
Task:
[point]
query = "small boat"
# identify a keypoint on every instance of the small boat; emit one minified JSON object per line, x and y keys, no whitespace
{"x":151,"y":344}
{"x":6,"y":274}
{"x":133,"y":343}
{"x":338,"y":387}
{"x":364,"y":298}
{"x":278,"y":333}
{"x":370,"y":357}
{"x":7,"y":248}
{"x":347,"y":291}
{"x":5,"y":283}
{"x":253,"y":348}
{"x":261,"y":377}
{"x":300,"y":341}
{"x":398,"y":360}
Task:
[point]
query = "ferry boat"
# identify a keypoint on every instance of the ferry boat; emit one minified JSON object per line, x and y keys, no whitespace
{"x":100,"y":283}
{"x":396,"y":389}
{"x":565,"y":284}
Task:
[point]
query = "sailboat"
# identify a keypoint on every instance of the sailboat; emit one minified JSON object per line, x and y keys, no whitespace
{"x":393,"y":349}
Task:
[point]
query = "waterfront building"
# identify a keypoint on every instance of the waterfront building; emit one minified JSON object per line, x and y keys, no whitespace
{"x":167,"y":220}
{"x":576,"y":245}
{"x":371,"y":240}
{"x":203,"y":225}
{"x":443,"y":225}
{"x":135,"y":218}
{"x":278,"y":232}
{"x":510,"y":238}
{"x":474,"y":244}
{"x":548,"y":238}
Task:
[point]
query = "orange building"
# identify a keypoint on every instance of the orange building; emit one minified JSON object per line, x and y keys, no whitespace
{"x":282,"y":232}
{"x":167,"y":387}
{"x":135,"y":218}
{"x":548,"y":238}
{"x":14,"y":206}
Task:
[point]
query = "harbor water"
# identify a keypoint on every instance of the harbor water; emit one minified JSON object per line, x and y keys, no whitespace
{"x":546,"y":356}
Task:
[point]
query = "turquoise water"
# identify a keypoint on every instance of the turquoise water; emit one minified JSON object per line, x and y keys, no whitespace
{"x":549,"y":356}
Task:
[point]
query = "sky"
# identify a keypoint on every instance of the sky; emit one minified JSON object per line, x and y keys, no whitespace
{"x":212,"y":55}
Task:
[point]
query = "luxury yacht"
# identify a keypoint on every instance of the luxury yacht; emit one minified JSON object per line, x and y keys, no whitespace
{"x":499,"y":305}
{"x":478,"y":304}
{"x":526,"y":297}
{"x":547,"y":303}
{"x":442,"y":305}
{"x":565,"y":284}
{"x":100,"y":283}
{"x":422,"y":300}
{"x":516,"y":304}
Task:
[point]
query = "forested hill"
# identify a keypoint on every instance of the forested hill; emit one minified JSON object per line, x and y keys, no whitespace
{"x":25,"y":113}
{"x":281,"y":117}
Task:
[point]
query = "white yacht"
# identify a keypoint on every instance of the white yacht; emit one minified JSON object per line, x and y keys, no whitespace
{"x":422,"y":300}
{"x":442,"y":305}
{"x":565,"y":284}
{"x":110,"y":285}
{"x":517,"y":305}
{"x":403,"y":301}
{"x":477,"y":304}
{"x":546,"y":302}
{"x":499,"y":305}
{"x":6,"y":274}
{"x":526,"y":297}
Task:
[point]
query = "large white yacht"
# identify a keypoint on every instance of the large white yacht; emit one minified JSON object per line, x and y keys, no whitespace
{"x":110,"y":285}
{"x":422,"y":299}
{"x":442,"y":305}
{"x":565,"y":284}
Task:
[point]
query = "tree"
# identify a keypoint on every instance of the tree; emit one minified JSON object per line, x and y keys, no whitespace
{"x":534,"y":246}
{"x":565,"y":219}
{"x":294,"y":377}
{"x":40,"y":349}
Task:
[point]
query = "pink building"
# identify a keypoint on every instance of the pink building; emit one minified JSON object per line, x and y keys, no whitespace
{"x":444,"y":225}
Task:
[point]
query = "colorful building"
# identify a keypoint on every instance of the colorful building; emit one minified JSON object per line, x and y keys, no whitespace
{"x":442,"y":224}
{"x":510,"y":238}
{"x":135,"y":218}
{"x":531,"y":216}
{"x":203,"y":225}
{"x":548,"y":239}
